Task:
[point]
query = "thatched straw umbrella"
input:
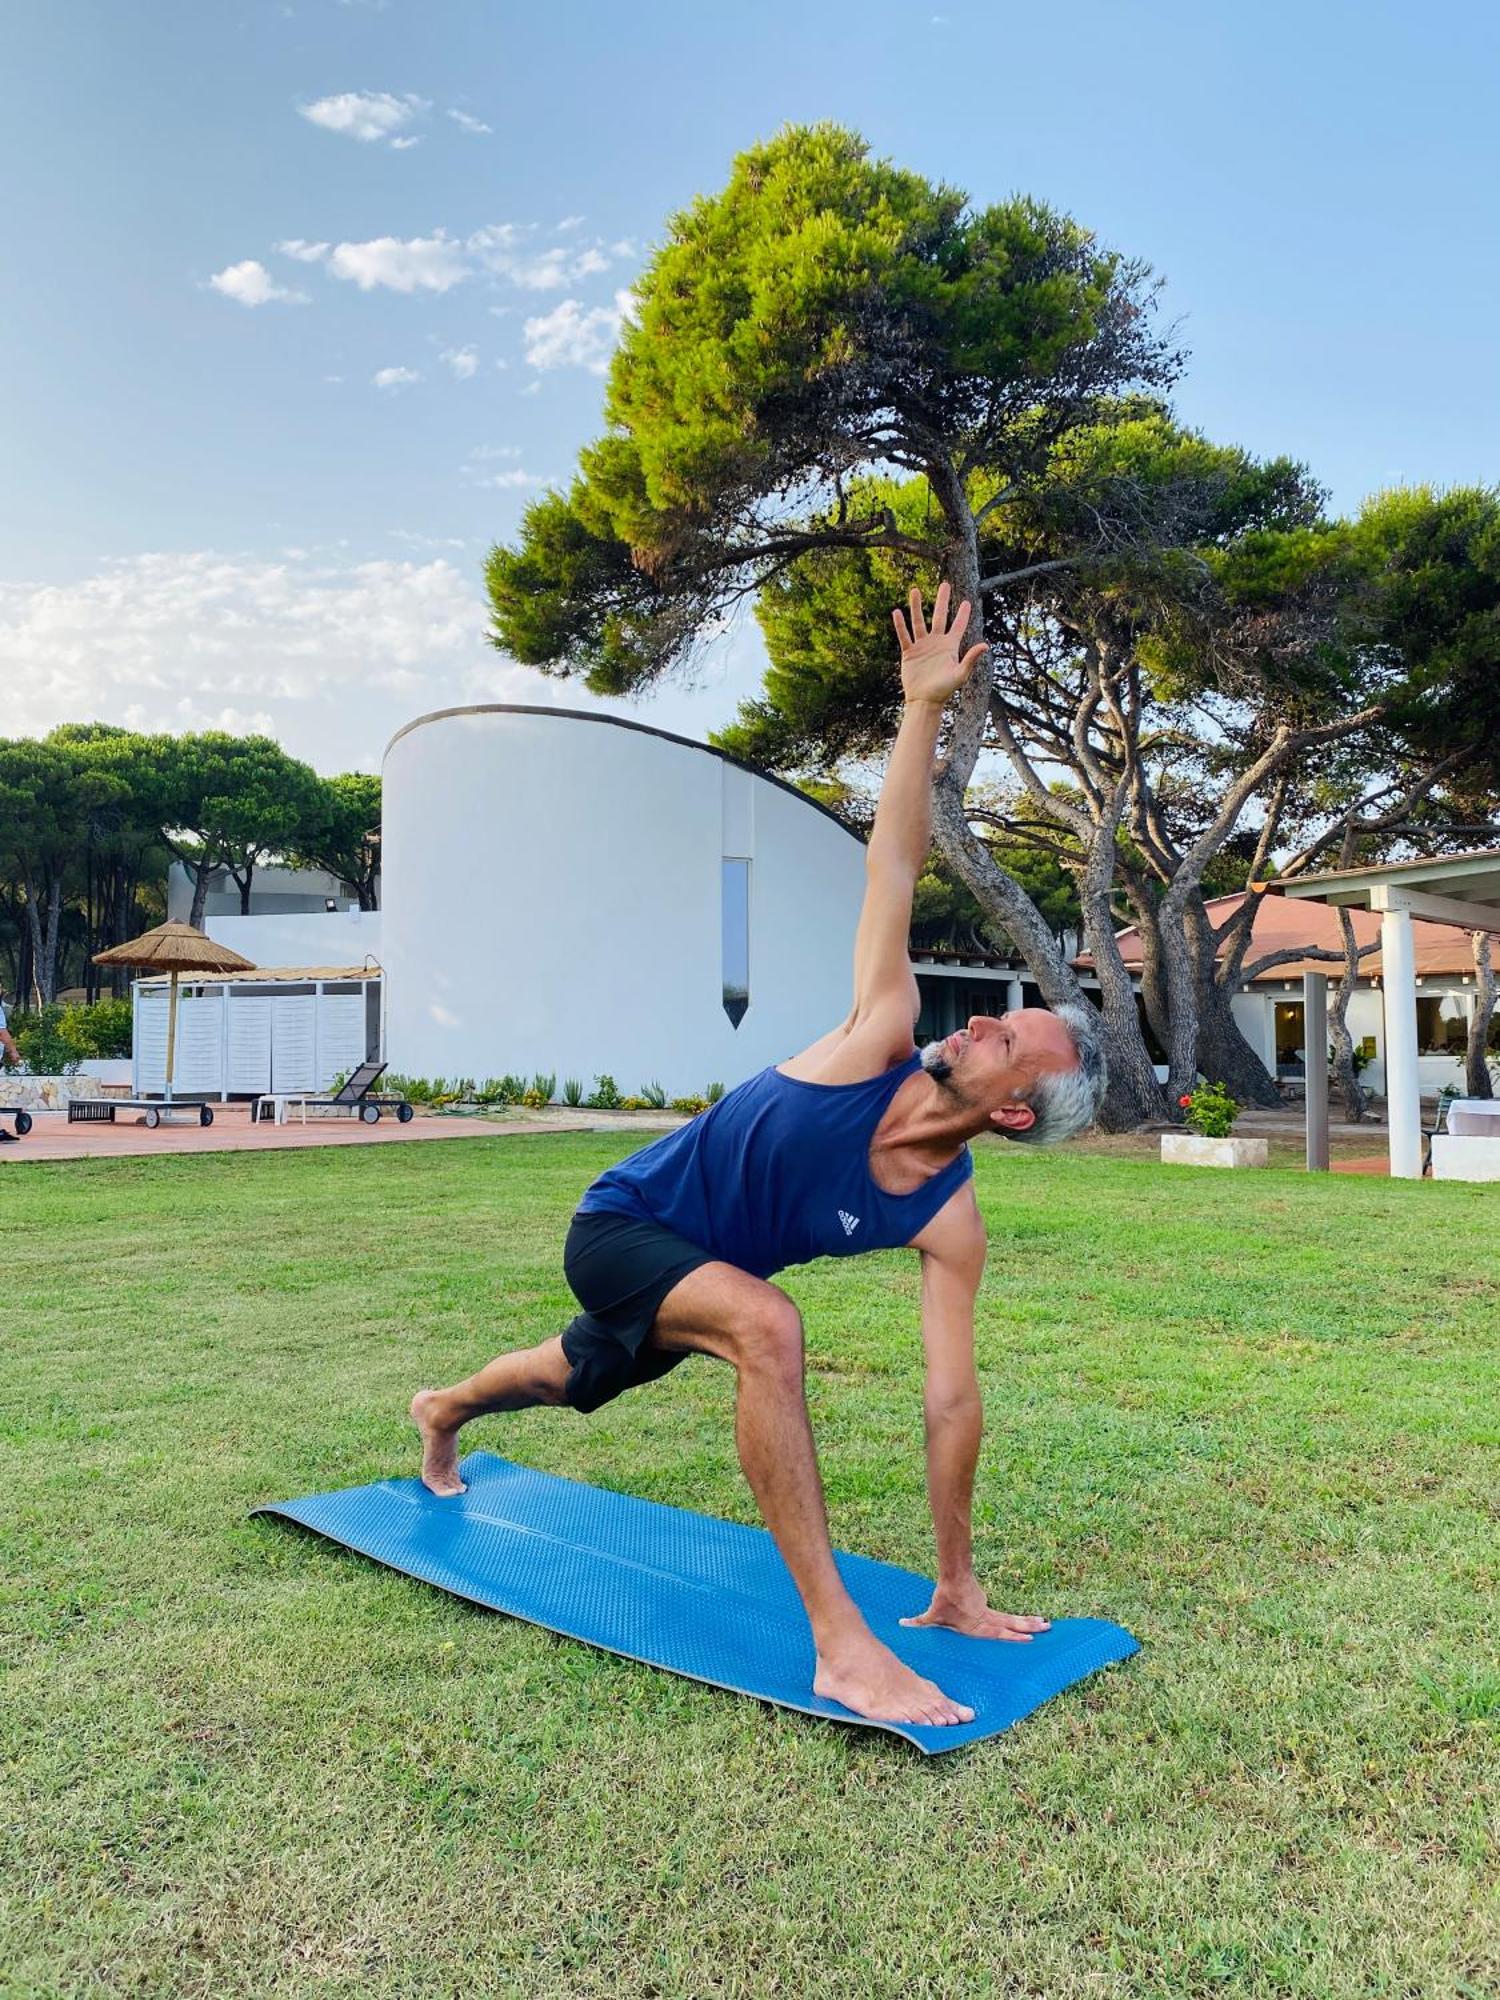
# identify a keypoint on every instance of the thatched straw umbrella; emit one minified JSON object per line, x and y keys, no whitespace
{"x":174,"y":948}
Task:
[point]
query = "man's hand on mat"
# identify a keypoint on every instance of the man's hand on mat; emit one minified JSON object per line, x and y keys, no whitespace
{"x":931,"y":668}
{"x":968,"y":1611}
{"x":868,"y":1678}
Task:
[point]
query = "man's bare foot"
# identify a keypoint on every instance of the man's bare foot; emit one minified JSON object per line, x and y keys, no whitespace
{"x":868,"y":1678}
{"x":439,"y":1446}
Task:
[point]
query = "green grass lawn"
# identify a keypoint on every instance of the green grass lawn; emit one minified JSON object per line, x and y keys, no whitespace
{"x":1253,"y":1417}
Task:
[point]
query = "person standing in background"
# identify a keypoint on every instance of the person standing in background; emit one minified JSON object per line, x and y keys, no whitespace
{"x":10,"y":1056}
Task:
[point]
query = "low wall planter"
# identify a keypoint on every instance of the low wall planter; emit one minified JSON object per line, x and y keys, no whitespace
{"x":1187,"y":1149}
{"x":46,"y":1093}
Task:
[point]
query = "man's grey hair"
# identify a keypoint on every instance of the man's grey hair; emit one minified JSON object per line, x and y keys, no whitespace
{"x":1066,"y":1101}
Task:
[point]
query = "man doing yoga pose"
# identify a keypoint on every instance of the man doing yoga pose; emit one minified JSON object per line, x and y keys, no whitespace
{"x":858,"y":1143}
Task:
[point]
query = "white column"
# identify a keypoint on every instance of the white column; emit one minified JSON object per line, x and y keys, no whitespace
{"x":1315,"y":1068}
{"x":1403,"y":1096}
{"x":1013,"y":999}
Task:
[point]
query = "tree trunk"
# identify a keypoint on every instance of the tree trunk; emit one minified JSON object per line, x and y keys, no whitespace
{"x":44,"y":932}
{"x":1477,"y":1080}
{"x":1134,"y":1097}
{"x":200,"y":894}
{"x":1345,"y":1079}
{"x":1224,"y":1055}
{"x":1180,"y":966}
{"x":1153,"y":974}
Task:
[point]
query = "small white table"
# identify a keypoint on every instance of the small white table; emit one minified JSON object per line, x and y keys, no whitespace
{"x":1474,"y":1117}
{"x":280,"y":1107}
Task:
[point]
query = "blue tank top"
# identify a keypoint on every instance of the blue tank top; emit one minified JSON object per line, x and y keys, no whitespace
{"x":777,"y":1173}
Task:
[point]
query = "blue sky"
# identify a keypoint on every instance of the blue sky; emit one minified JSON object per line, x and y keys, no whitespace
{"x":264,"y":501}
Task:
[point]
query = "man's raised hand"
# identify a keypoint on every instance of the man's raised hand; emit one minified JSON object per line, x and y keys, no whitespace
{"x":931,"y":667}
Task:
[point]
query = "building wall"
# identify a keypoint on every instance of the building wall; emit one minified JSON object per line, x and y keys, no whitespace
{"x":273,"y":892}
{"x":313,"y":937}
{"x":553,"y":900}
{"x":1255,"y":1014}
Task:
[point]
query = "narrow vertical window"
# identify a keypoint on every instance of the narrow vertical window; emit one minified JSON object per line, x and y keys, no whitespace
{"x":735,"y":884}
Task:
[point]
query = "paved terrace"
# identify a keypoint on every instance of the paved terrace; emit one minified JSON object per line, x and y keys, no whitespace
{"x":53,"y":1138}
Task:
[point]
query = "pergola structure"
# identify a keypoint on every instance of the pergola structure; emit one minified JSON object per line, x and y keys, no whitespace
{"x":1458,"y":889}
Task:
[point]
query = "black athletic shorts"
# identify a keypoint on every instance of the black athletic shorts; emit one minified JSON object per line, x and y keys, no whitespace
{"x":620,"y":1271}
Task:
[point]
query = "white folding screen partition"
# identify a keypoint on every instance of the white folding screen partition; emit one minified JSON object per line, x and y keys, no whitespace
{"x":237,"y":1042}
{"x":341,"y":1035}
{"x":198,"y":1055}
{"x":247,"y":1058}
{"x":149,"y":1074}
{"x":294,"y":1041}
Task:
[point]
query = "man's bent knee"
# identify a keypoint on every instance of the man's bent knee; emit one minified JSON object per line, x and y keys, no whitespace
{"x":549,"y":1373}
{"x":770,"y":1340}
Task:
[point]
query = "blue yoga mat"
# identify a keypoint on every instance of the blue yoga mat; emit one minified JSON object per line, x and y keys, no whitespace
{"x":701,"y":1597}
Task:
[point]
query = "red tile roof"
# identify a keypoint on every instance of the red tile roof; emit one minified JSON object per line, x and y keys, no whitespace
{"x":1280,"y":922}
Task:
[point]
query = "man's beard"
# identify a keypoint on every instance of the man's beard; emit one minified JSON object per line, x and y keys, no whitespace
{"x":936,"y":1063}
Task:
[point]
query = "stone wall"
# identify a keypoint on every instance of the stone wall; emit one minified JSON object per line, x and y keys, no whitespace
{"x":45,"y":1093}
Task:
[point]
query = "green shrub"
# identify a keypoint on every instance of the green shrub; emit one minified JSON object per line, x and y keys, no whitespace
{"x":534,"y":1099}
{"x":44,"y":1048}
{"x":415,"y":1089}
{"x":55,"y":1039}
{"x":605,"y":1095}
{"x":713,"y":1093}
{"x":101,"y":1032}
{"x":491,"y":1091}
{"x":545,"y":1087}
{"x":1210,"y":1111}
{"x":691,"y":1105}
{"x":572,"y":1090}
{"x":653,"y":1095}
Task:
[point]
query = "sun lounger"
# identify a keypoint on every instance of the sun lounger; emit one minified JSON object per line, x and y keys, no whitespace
{"x":101,"y":1110}
{"x":357,"y":1098}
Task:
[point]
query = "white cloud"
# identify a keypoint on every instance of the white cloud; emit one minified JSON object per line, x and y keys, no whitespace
{"x":575,"y":336}
{"x":251,"y":284}
{"x":403,"y":145}
{"x":467,"y":123}
{"x":506,"y":249}
{"x":329,"y":656}
{"x":513,"y":479}
{"x":420,"y":264}
{"x":464,"y":361}
{"x":367,"y":115}
{"x":394,"y":378}
{"x":569,"y":222}
{"x":198,"y":640}
{"x":438,"y":262}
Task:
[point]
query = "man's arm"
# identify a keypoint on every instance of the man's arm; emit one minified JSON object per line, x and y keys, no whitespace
{"x":953,"y":1251}
{"x":901,"y":839}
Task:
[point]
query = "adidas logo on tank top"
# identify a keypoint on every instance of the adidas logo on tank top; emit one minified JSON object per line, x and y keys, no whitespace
{"x":850,"y":1222}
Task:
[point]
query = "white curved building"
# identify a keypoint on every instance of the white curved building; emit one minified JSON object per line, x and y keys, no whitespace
{"x":570,"y":893}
